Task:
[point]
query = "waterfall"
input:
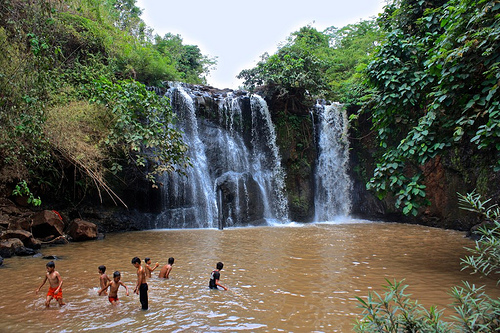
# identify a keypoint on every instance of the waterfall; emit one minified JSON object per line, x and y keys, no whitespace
{"x":274,"y":175}
{"x":333,"y":185}
{"x":188,"y":200}
{"x":236,"y":178}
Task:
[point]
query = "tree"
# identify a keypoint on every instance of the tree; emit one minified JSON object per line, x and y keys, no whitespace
{"x":296,"y":69}
{"x":435,"y":87}
{"x":73,"y":97}
{"x":352,"y":48}
{"x":188,"y":59}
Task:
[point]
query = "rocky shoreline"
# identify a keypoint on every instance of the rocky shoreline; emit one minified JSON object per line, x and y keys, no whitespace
{"x":24,"y":232}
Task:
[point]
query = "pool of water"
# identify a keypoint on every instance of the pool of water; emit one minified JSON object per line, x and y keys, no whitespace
{"x":290,"y":278}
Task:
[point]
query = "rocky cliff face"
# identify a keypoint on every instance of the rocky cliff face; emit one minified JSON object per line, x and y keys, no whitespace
{"x":459,"y":170}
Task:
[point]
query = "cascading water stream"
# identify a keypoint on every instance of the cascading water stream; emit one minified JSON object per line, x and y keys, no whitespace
{"x":333,"y":184}
{"x":275,"y":177}
{"x":190,"y":201}
{"x":236,"y":178}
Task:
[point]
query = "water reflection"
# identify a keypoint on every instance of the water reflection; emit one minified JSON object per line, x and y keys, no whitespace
{"x":297,"y":278}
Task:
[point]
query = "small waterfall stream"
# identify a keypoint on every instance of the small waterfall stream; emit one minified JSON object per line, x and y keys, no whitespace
{"x":333,"y":184}
{"x":236,"y":178}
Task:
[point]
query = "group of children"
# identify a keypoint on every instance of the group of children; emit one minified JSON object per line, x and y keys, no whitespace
{"x":141,"y":287}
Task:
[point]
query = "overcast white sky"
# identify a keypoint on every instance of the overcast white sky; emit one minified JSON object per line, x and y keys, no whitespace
{"x":238,"y":33}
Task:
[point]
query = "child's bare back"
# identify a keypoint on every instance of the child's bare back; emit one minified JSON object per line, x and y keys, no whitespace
{"x":165,"y":270}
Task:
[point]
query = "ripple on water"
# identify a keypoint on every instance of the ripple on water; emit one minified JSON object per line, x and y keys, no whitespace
{"x":301,"y":278}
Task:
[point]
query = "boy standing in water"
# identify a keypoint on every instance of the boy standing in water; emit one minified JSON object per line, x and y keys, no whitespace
{"x":141,"y":286}
{"x":55,"y":284}
{"x":215,"y":277}
{"x":165,"y":270}
{"x":113,"y":290}
{"x":149,"y":269}
{"x":103,"y":280}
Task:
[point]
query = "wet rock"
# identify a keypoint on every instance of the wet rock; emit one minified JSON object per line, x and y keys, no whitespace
{"x":51,"y":257}
{"x":8,"y":247}
{"x":25,"y":236}
{"x":4,"y":221}
{"x":5,"y":202}
{"x":1,"y":261}
{"x":24,"y":251}
{"x":241,"y":200}
{"x":11,"y":210}
{"x":22,"y":223}
{"x":80,"y":230}
{"x":47,"y":223}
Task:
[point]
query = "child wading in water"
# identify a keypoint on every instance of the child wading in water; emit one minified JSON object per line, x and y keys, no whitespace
{"x":215,"y":277}
{"x":165,"y":270}
{"x":149,"y":269}
{"x":55,"y":284}
{"x":103,"y":280}
{"x":141,"y":287}
{"x":113,"y":290}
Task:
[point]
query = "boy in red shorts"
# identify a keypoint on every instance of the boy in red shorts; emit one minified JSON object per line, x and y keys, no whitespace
{"x":55,"y":284}
{"x":113,"y":290}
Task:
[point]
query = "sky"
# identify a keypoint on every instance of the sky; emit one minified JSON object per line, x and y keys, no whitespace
{"x":238,"y":33}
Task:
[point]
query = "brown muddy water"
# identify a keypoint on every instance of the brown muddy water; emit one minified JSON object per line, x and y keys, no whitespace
{"x":293,"y":278}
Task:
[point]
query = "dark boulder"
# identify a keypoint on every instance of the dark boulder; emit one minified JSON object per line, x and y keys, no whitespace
{"x":8,"y":247}
{"x":47,"y":223}
{"x":80,"y":230}
{"x":24,"y":251}
{"x":19,"y":223}
{"x":25,"y":236}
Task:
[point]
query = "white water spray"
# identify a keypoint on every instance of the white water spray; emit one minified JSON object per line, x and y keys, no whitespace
{"x":236,"y":178}
{"x":333,"y":184}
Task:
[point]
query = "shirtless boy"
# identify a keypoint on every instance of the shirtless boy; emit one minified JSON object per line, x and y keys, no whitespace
{"x":103,"y":280}
{"x":149,"y":269}
{"x":55,"y":284}
{"x":165,"y":270}
{"x":113,"y":288}
{"x":141,"y":287}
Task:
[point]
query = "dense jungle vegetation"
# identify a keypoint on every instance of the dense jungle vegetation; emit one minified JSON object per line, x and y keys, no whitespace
{"x":74,"y":108}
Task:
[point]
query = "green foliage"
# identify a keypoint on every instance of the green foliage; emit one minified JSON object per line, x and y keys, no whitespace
{"x":56,"y":57}
{"x":352,"y":48}
{"x":22,"y":190}
{"x":313,"y":64}
{"x":188,"y":59}
{"x":297,"y":68}
{"x":141,"y":126}
{"x":396,"y":312}
{"x":435,"y":86}
{"x":475,"y":311}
